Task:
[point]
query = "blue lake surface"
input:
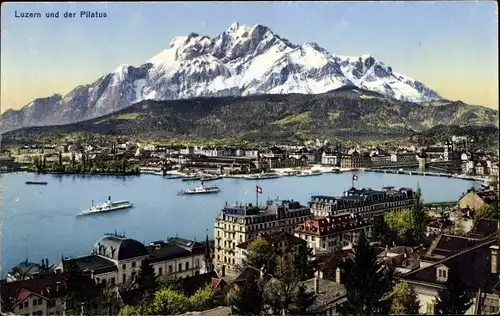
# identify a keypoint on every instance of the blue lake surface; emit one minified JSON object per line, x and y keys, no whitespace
{"x":40,"y":221}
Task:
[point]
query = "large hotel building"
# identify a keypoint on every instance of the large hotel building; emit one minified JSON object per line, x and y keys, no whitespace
{"x":325,"y":223}
{"x":237,"y":224}
{"x":367,"y":203}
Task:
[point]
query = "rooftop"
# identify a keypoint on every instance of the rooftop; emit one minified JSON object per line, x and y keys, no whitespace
{"x":447,"y":245}
{"x":48,"y":286}
{"x":118,"y":247}
{"x":476,"y":259}
{"x":94,"y":263}
{"x":175,"y":248}
{"x":193,"y":283}
{"x":484,"y":227}
{"x":329,"y":291}
{"x":271,"y":208}
{"x":322,"y":226}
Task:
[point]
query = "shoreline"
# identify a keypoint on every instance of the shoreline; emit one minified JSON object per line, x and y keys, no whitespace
{"x":282,"y":172}
{"x":64,"y":173}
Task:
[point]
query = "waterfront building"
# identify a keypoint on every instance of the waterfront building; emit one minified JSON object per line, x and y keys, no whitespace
{"x":237,"y":224}
{"x":368,"y":203}
{"x":116,"y":260}
{"x":285,"y":243}
{"x":330,"y":158}
{"x":355,"y":160}
{"x":333,"y":232}
{"x":382,"y":159}
{"x":404,"y":158}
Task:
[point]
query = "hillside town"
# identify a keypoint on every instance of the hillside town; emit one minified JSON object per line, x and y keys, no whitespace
{"x":282,"y":257}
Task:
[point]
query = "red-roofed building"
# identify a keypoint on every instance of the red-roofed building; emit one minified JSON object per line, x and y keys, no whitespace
{"x":38,"y":296}
{"x":331,"y":232}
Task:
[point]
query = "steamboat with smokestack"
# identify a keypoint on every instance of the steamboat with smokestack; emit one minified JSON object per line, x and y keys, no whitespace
{"x":107,"y":206}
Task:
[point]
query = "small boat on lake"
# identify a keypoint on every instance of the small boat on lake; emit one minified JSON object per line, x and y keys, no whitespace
{"x":201,"y":190}
{"x":107,"y":206}
{"x":310,"y":173}
{"x":36,"y":182}
{"x":192,"y":178}
{"x":263,"y":176}
{"x":172,"y":176}
{"x":210,"y":178}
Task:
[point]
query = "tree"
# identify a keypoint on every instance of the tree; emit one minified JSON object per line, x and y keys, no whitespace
{"x":168,"y":302}
{"x":383,"y":233}
{"x":303,"y":300}
{"x":128,"y":310}
{"x":459,"y":228}
{"x":281,"y":291}
{"x":72,"y":160}
{"x":302,"y":266}
{"x":248,"y":299}
{"x":18,"y":273}
{"x":485,"y":211}
{"x":366,"y":282}
{"x":260,"y":254}
{"x":203,"y":299}
{"x":404,"y":300}
{"x":60,"y":159}
{"x":401,"y":226}
{"x":146,"y":278}
{"x":419,"y":218}
{"x":82,"y":291}
{"x":453,"y":299}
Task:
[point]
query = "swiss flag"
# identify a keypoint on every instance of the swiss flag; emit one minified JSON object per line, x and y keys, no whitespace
{"x":259,"y":189}
{"x":355,"y":177}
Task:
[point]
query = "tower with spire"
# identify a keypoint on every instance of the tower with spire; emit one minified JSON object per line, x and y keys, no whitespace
{"x":207,"y":265}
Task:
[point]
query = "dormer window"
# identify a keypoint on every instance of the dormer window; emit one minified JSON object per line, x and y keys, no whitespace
{"x":442,"y":273}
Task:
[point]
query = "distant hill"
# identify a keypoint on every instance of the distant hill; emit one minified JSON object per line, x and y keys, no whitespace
{"x":350,"y":113}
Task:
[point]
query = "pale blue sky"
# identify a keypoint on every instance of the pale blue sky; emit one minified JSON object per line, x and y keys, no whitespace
{"x":450,"y":46}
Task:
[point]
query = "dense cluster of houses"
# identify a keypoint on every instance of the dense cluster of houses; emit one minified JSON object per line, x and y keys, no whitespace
{"x":250,"y":159}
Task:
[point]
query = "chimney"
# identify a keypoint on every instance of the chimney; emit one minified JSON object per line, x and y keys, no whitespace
{"x":338,"y":279}
{"x":494,"y":258}
{"x":316,"y":282}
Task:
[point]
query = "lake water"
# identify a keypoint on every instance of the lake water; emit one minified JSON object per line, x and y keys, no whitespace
{"x":40,"y":221}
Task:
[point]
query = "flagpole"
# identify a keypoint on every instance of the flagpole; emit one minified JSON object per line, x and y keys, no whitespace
{"x":257,"y":195}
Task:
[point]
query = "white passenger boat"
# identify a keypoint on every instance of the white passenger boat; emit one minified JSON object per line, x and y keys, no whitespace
{"x":107,"y":206}
{"x":263,"y":176}
{"x":201,"y":190}
{"x":310,"y":173}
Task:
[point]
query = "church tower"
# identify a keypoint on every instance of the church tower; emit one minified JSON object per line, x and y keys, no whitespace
{"x":207,"y":264}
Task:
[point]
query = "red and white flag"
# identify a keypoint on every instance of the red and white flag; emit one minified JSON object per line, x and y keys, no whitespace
{"x":354,"y":177}
{"x":259,"y":189}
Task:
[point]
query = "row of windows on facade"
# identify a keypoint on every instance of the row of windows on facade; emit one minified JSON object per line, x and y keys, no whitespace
{"x":322,"y":207}
{"x":37,"y":302}
{"x":160,"y":271}
{"x":261,"y":226}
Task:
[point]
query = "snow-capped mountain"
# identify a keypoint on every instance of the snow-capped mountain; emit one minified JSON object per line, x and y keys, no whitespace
{"x":241,"y":61}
